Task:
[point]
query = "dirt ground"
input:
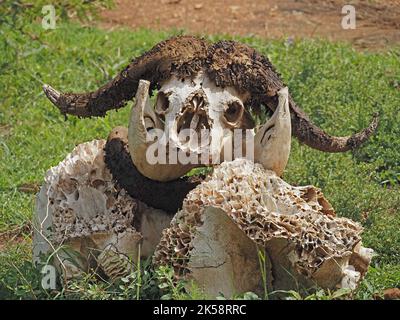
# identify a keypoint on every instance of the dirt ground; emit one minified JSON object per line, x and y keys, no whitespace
{"x":14,"y":236}
{"x":377,"y":22}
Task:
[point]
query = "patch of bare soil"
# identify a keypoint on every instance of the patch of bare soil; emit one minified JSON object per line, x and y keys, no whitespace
{"x":389,"y":294}
{"x":14,"y":236}
{"x":377,"y":22}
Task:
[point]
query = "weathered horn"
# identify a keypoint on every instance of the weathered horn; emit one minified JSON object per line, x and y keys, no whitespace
{"x":235,"y":64}
{"x":313,"y":136}
{"x":154,"y":66}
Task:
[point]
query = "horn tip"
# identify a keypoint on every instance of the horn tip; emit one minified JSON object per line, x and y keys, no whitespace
{"x":52,"y":94}
{"x":142,"y":81}
{"x":143,"y":85}
{"x":284,"y":91}
{"x":359,"y":138}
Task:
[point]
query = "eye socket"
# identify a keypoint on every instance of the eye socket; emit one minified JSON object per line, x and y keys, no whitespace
{"x":162,"y":103}
{"x":234,"y":112}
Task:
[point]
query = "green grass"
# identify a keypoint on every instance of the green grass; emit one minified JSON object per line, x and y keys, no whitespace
{"x":338,"y":87}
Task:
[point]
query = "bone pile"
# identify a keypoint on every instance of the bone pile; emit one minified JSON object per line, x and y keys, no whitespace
{"x":305,"y":243}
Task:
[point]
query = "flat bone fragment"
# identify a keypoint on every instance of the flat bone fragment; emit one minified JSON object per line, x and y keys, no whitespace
{"x":306,"y":245}
{"x":215,"y":260}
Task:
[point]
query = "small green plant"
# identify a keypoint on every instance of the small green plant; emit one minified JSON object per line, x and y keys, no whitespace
{"x":319,"y":294}
{"x":243,"y":296}
{"x":171,"y":287}
{"x":262,"y":259}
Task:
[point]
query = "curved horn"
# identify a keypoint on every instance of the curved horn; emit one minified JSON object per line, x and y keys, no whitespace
{"x":146,"y":147}
{"x":236,"y":64}
{"x":155,"y":65}
{"x":272,"y":141}
{"x":313,"y":136}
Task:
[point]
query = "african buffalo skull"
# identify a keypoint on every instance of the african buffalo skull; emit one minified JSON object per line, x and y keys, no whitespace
{"x":193,"y":124}
{"x":205,"y":94}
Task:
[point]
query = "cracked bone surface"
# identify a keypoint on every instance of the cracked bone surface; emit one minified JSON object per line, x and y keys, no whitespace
{"x":242,"y":210}
{"x":88,"y":222}
{"x":197,"y":120}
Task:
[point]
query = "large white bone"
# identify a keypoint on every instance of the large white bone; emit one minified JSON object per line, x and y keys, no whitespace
{"x":141,"y":131}
{"x":272,"y":141}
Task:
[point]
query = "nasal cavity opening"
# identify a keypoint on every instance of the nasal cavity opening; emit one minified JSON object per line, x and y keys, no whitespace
{"x":194,"y":118}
